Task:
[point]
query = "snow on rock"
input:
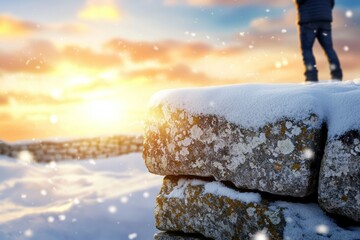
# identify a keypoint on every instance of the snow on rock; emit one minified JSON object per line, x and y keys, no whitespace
{"x":308,"y":221}
{"x":339,"y":182}
{"x":256,"y":105}
{"x":256,"y":136}
{"x":215,"y":212}
{"x":112,"y":199}
{"x":223,"y":216}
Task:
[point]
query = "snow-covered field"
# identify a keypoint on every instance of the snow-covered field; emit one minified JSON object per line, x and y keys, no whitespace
{"x":108,"y":199}
{"x":104,"y":199}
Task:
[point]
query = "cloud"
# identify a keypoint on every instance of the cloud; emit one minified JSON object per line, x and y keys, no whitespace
{"x":11,"y":27}
{"x":229,"y":2}
{"x":100,"y":10}
{"x":166,"y":51}
{"x":71,"y":28}
{"x":87,"y":58}
{"x":34,"y":99}
{"x":41,"y":57}
{"x":3,"y":100}
{"x":180,"y":73}
{"x":36,"y":57}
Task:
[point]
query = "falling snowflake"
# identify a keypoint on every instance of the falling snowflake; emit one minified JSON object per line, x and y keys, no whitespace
{"x":92,"y":162}
{"x":346,"y":48}
{"x":51,"y":219}
{"x":261,"y":235}
{"x":333,"y":67}
{"x":23,"y":196}
{"x":28,"y":233}
{"x":25,"y":157}
{"x":76,"y":201}
{"x":62,"y":217}
{"x":132,"y":235}
{"x":283,"y":30}
{"x":349,"y":14}
{"x":124,"y":199}
{"x":308,"y":153}
{"x":43,"y":192}
{"x":322,"y":229}
{"x":146,"y":195}
{"x":112,"y":209}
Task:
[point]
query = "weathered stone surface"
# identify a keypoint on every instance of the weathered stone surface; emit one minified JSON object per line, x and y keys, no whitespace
{"x":339,"y":183}
{"x":177,"y":236}
{"x":218,"y":212}
{"x":215,"y":211}
{"x":280,"y":158}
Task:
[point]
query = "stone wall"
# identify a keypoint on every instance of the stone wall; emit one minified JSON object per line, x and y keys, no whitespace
{"x":83,"y":148}
{"x":267,"y":170}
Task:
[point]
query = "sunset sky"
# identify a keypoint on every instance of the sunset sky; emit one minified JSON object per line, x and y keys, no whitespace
{"x":89,"y":67}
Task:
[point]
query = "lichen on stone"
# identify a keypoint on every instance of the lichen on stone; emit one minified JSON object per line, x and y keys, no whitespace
{"x":204,"y":145}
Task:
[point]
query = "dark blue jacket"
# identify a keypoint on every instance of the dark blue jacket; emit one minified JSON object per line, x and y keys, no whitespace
{"x":314,"y":10}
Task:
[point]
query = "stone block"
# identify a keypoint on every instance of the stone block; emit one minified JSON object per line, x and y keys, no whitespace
{"x":215,"y":211}
{"x":218,"y":212}
{"x":280,"y":158}
{"x":339,"y":181}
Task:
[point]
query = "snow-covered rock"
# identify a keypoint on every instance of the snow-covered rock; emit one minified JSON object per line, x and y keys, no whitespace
{"x":215,"y":211}
{"x":219,"y":212}
{"x":264,"y":137}
{"x":339,"y":182}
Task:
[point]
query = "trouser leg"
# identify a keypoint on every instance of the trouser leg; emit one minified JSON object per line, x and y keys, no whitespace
{"x":325,"y":40}
{"x":307,"y":39}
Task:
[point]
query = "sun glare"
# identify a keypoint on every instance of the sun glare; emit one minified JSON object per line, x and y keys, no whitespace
{"x":103,"y":111}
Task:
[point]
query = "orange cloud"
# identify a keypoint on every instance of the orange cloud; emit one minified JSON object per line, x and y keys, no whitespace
{"x":40,"y":57}
{"x":103,"y":10}
{"x":72,"y":28}
{"x":165,"y":51}
{"x":180,"y":73}
{"x":87,"y":58}
{"x":11,"y":27}
{"x":3,"y":100}
{"x":36,"y":57}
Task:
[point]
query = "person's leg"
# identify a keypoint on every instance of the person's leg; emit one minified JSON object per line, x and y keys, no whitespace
{"x":307,"y":39}
{"x":325,"y":40}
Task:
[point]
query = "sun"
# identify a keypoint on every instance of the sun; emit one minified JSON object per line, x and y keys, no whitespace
{"x":103,"y":111}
